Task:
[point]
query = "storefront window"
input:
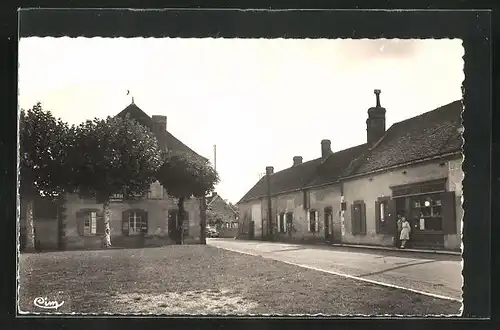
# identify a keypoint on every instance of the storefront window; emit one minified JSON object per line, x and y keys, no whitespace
{"x":426,"y":212}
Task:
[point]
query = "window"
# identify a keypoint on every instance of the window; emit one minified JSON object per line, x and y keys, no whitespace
{"x":426,"y":212}
{"x":383,"y":224}
{"x":313,"y":221}
{"x":90,"y":223}
{"x":289,"y":222}
{"x":137,"y":222}
{"x":281,"y":222}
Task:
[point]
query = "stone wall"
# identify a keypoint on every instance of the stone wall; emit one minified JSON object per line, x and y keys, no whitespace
{"x":157,"y":233}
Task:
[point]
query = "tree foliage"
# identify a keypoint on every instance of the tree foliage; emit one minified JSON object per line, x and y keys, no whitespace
{"x":113,"y":155}
{"x":186,"y":175}
{"x":45,"y":168}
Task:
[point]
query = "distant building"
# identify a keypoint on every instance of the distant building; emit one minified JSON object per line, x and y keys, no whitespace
{"x":81,"y":223}
{"x":353,"y":196}
{"x":223,"y":215}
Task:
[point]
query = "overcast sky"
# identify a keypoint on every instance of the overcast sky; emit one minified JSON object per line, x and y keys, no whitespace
{"x":261,"y":101}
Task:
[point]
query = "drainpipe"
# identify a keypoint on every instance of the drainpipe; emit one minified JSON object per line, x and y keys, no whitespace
{"x":269,"y":172}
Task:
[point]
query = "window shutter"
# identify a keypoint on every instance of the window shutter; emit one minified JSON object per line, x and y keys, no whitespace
{"x":80,"y":218}
{"x":125,"y":223}
{"x":284,"y":219}
{"x":144,"y":226}
{"x":100,"y":223}
{"x":377,"y":217}
{"x":363,"y":219}
{"x":448,"y":213}
{"x":278,"y":222}
{"x":308,"y":220}
{"x":316,"y":221}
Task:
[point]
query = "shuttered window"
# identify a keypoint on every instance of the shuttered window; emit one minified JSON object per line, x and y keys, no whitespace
{"x":281,"y":221}
{"x":382,"y":221}
{"x":312,"y":219}
{"x":90,"y":222}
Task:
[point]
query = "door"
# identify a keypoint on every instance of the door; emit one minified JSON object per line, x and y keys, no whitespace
{"x":173,"y":231}
{"x":257,"y":220}
{"x":327,"y":221}
{"x":251,"y":229}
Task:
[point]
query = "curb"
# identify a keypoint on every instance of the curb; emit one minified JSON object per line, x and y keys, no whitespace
{"x":398,"y":250}
{"x":370,"y":247}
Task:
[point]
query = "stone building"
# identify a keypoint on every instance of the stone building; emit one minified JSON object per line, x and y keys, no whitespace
{"x":149,"y":220}
{"x":353,"y":196}
{"x":223,"y":215}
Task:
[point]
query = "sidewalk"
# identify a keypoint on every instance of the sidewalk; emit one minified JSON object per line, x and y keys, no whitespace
{"x":370,"y":247}
{"x":386,"y":248}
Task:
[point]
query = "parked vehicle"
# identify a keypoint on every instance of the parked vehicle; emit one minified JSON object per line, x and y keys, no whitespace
{"x":212,"y":232}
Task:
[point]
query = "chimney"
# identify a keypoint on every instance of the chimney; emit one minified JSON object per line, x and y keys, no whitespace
{"x":269,"y":170}
{"x":297,"y":160}
{"x":214,"y":193}
{"x":326,"y":148}
{"x":375,"y":124}
{"x":159,"y":123}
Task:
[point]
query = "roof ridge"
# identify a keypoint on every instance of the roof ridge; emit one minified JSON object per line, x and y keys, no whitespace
{"x":423,"y":114}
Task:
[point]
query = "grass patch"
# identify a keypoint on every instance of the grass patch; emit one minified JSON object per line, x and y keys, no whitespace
{"x":199,"y":279}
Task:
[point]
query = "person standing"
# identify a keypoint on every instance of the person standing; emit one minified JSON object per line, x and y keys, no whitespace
{"x":399,"y":223}
{"x":405,"y":232}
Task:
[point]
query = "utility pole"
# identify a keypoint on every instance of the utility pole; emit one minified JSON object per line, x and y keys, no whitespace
{"x":215,"y":157}
{"x":269,"y":172}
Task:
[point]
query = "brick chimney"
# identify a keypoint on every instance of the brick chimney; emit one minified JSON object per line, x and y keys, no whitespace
{"x":159,"y":123}
{"x":326,"y":148}
{"x":297,"y":160}
{"x":375,"y":124}
{"x":269,"y":170}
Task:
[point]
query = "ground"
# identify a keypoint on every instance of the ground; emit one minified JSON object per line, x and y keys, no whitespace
{"x":435,"y":274}
{"x":198,"y":279}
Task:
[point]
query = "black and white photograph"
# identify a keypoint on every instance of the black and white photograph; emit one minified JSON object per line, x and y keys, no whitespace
{"x":237,"y":177}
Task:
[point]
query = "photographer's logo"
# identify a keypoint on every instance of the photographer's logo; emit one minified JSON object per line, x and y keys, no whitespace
{"x":43,"y":302}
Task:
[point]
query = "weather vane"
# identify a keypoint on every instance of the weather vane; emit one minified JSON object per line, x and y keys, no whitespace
{"x":128,"y":92}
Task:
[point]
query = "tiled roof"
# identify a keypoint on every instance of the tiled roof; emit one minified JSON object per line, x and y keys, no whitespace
{"x":334,"y":166}
{"x":430,"y":134}
{"x":288,"y":179}
{"x":433,"y":133}
{"x":166,"y":139}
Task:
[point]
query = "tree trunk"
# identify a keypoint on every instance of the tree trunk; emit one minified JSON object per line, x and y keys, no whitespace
{"x":180,"y":206}
{"x":30,"y":228}
{"x":203,"y":221}
{"x":107,"y":228}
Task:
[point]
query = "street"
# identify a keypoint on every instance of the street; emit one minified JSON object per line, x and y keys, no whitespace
{"x":422,"y":272}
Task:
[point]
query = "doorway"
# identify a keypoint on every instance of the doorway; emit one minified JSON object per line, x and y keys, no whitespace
{"x":328,"y":223}
{"x":173,"y":230}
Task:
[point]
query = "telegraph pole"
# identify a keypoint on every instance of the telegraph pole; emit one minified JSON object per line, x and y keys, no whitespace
{"x":269,"y":172}
{"x":215,"y":157}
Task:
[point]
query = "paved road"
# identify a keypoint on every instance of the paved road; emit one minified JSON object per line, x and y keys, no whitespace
{"x":435,"y":274}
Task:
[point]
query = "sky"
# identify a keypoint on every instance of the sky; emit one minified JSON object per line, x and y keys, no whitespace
{"x":261,"y":101}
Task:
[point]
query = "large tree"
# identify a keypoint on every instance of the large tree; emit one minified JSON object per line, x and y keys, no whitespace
{"x":115,"y":156}
{"x":185,"y":175}
{"x":44,"y":161}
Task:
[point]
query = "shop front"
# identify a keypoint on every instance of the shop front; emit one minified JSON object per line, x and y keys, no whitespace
{"x":429,"y":208}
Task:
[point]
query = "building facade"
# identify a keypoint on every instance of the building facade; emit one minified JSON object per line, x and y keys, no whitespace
{"x":354,"y":196}
{"x":220,"y":213}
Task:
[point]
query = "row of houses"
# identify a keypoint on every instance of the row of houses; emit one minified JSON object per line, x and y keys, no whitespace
{"x":354,"y":196}
{"x":76,"y":223}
